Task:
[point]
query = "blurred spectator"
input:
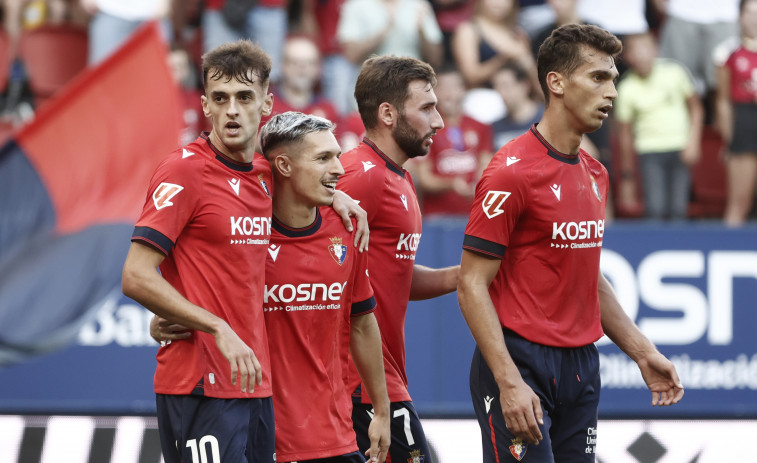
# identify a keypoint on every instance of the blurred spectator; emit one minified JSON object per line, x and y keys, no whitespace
{"x":565,"y":12}
{"x":113,"y":21}
{"x":659,"y":117}
{"x":534,"y":15}
{"x":691,"y":31}
{"x":490,"y":38}
{"x":187,"y":81}
{"x":262,"y":21}
{"x":737,"y":117}
{"x":447,"y":176}
{"x":513,"y":85}
{"x":449,"y":15}
{"x":338,"y":73}
{"x":300,"y":75}
{"x":621,"y":17}
{"x":388,"y":27}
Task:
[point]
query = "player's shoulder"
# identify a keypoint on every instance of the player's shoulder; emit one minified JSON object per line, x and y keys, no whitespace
{"x":186,"y":161}
{"x":362,"y":164}
{"x":595,"y":167}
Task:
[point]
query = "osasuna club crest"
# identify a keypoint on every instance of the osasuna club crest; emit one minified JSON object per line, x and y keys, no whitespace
{"x":518,"y":448}
{"x":416,"y":457}
{"x":264,"y":185}
{"x":337,"y":250}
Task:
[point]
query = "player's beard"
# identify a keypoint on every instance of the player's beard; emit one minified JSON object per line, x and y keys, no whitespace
{"x":408,"y":139}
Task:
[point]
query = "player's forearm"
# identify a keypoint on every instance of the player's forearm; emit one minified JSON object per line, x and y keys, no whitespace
{"x":150,"y":289}
{"x":479,"y":312}
{"x":619,"y":327}
{"x":432,"y":282}
{"x":365,"y":347}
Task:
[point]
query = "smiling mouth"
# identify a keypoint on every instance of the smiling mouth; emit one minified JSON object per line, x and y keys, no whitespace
{"x":331,"y":185}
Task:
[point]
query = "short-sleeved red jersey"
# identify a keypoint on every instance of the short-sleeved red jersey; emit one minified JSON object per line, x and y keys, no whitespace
{"x":211,"y":217}
{"x":743,"y":66}
{"x":315,"y":279}
{"x":547,"y":210}
{"x":386,"y":192}
{"x":456,"y":151}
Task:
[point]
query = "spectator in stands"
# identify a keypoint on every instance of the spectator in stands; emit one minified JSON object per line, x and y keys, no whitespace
{"x":339,"y":74}
{"x":387,"y":27}
{"x":513,"y":85}
{"x":737,"y":117}
{"x":113,"y":21}
{"x":692,"y":30}
{"x":262,"y":21}
{"x":565,"y":12}
{"x":488,"y":40}
{"x":449,"y":15}
{"x":659,"y":117}
{"x":297,"y":90}
{"x":300,"y":75}
{"x":446,"y":178}
{"x":390,"y":27}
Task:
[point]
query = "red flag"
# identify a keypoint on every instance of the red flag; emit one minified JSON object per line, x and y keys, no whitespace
{"x":96,"y":144}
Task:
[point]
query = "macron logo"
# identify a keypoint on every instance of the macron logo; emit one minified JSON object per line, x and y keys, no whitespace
{"x":368,"y":165}
{"x":186,"y":153}
{"x":488,"y":403}
{"x":556,"y":190}
{"x":511,"y":160}
{"x":273,"y":250}
{"x":234,"y":184}
{"x":403,"y":198}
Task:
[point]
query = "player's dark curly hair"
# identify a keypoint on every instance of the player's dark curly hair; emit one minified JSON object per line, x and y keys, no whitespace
{"x":561,"y":51}
{"x":234,"y":60}
{"x":386,"y":79}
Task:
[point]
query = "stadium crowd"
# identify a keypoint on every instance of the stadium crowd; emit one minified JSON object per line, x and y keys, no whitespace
{"x":680,"y":144}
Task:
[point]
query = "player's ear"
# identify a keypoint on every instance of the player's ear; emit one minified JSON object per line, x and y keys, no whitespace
{"x":556,"y":83}
{"x":387,"y":114}
{"x":205,"y":110}
{"x":283,"y":165}
{"x":268,"y":104}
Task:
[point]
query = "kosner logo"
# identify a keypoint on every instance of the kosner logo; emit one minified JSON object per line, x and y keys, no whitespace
{"x":251,"y":226}
{"x":408,"y":241}
{"x":587,"y":229}
{"x":304,"y":292}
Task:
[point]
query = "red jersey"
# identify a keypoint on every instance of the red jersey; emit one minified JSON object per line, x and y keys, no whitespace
{"x":386,"y":192}
{"x":211,"y":217}
{"x":456,"y":152}
{"x":315,"y":279}
{"x":743,"y":66}
{"x":547,"y":210}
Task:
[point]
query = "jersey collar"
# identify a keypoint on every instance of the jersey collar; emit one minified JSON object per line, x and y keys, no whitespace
{"x":552,"y":152}
{"x":298,"y":232}
{"x":225,"y":160}
{"x":391,"y":165}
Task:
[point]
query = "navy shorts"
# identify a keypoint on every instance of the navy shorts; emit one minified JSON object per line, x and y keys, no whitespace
{"x":408,"y":438}
{"x":197,"y":429}
{"x":744,"y":133}
{"x":567,"y":383}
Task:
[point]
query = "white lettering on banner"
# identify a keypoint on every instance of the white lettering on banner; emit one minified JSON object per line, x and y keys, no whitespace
{"x":696,"y":314}
{"x":620,"y":372}
{"x":128,"y":325}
